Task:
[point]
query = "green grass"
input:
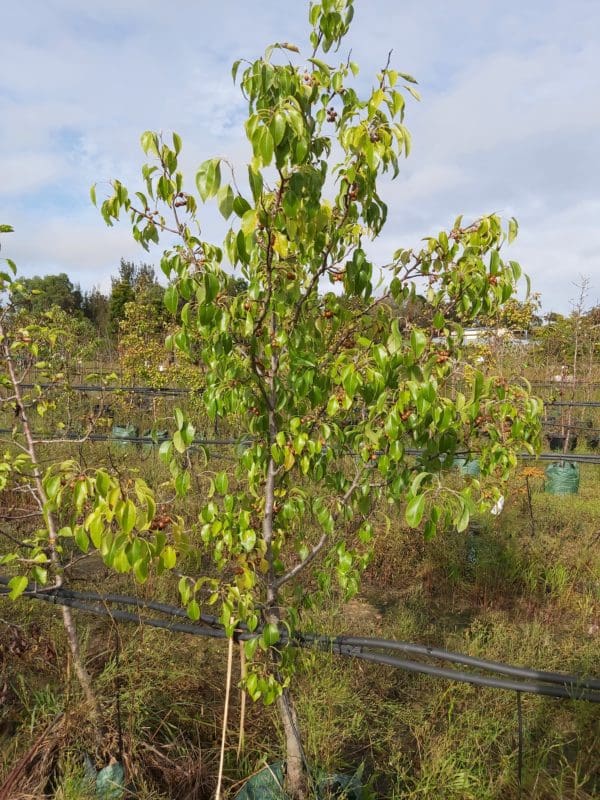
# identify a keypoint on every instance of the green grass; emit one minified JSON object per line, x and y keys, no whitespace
{"x":500,"y":593}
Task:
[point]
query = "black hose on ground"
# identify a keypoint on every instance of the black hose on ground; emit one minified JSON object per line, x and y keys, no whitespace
{"x":570,"y":687}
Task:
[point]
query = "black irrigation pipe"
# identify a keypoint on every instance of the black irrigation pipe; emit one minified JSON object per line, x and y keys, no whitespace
{"x":332,"y":642}
{"x":175,"y":391}
{"x":582,"y":458}
{"x":564,"y":384}
{"x":558,"y":678}
{"x":576,"y":458}
{"x":157,"y":391}
{"x":556,"y":424}
{"x":77,"y":438}
{"x":569,"y":687}
{"x":573,"y":403}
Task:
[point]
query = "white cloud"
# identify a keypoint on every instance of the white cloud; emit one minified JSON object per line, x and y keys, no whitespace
{"x":508,"y":120}
{"x":23,"y":172}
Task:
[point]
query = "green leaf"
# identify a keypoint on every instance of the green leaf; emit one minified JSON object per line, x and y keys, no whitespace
{"x":266,"y":146}
{"x":187,"y":433}
{"x":463,"y":520}
{"x":240,"y":205}
{"x":270,"y":634}
{"x":95,"y":526}
{"x":164,"y":451}
{"x":102,"y":483}
{"x":127,"y":516}
{"x":17,"y":586}
{"x":439,"y":320}
{"x":221,"y":482}
{"x":121,"y":562}
{"x":169,"y":557}
{"x":171,"y":298}
{"x":278,"y":127}
{"x":248,"y":539}
{"x":429,"y":530}
{"x":39,"y":574}
{"x":407,"y":77}
{"x":323,"y":67}
{"x":182,"y":483}
{"x":193,"y":610}
{"x":418,"y":340}
{"x":149,"y":142}
{"x":333,"y":406}
{"x":211,"y":286}
{"x":208,"y":178}
{"x":414,"y":511}
{"x":417,"y":481}
{"x":255,"y":180}
{"x":140,"y":570}
{"x":52,"y":485}
{"x":250,"y":646}
{"x":81,"y":538}
{"x":178,"y":442}
{"x":80,"y":494}
{"x":225,"y":200}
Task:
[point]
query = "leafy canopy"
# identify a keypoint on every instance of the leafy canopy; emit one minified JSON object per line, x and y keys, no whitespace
{"x":349,"y":411}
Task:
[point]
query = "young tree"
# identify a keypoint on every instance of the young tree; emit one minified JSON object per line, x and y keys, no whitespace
{"x":347,"y":413}
{"x":68,"y":506}
{"x":332,"y":410}
{"x":39,"y":554}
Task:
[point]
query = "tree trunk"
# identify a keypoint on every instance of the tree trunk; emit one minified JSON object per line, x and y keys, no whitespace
{"x":295,"y":775}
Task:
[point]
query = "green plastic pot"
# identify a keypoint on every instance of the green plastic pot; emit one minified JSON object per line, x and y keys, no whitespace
{"x":124,"y":432}
{"x":562,"y":478}
{"x":268,"y":785}
{"x":468,"y":466}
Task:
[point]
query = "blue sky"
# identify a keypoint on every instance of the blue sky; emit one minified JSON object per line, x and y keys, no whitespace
{"x":509,"y":119}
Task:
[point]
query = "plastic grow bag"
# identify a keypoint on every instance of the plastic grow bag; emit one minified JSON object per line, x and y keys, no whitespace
{"x":268,"y":785}
{"x":124,"y":432}
{"x":110,"y":782}
{"x":562,"y":478}
{"x":468,"y":466}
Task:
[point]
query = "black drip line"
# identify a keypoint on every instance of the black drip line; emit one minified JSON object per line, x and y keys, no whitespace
{"x":176,"y":391}
{"x":582,"y":458}
{"x":550,"y":684}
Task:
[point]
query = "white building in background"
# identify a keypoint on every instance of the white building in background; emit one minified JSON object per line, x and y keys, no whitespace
{"x":491,"y":335}
{"x":483,"y":335}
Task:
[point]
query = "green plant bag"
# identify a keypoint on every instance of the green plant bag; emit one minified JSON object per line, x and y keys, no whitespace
{"x":562,"y":478}
{"x":268,"y":785}
{"x":124,"y":432}
{"x":110,"y":782}
{"x":468,"y":466}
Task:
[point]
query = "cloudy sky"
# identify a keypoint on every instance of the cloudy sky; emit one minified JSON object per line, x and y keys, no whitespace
{"x":509,"y":119}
